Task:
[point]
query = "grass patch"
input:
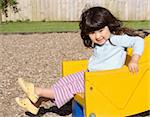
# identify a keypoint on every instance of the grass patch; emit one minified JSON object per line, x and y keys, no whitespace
{"x":137,"y":24}
{"x":38,"y":27}
{"x":29,"y":27}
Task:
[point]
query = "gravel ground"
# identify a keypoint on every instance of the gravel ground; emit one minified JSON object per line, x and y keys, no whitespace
{"x":36,"y":58}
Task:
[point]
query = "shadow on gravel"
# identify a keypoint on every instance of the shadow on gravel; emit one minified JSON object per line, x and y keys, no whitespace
{"x":63,"y":111}
{"x":66,"y":110}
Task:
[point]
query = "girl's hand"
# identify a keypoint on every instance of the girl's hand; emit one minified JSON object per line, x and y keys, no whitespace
{"x":133,"y":64}
{"x":133,"y":67}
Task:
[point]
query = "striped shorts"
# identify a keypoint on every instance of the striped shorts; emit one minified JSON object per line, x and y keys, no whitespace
{"x":65,"y":88}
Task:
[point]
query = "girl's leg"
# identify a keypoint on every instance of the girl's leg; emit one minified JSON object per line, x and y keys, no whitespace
{"x":33,"y":92}
{"x":28,"y":105}
{"x":45,"y":92}
{"x":35,"y":96}
{"x":65,"y":88}
{"x":62,"y":91}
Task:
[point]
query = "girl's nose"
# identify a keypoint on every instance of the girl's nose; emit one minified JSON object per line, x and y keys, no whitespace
{"x":97,"y":35}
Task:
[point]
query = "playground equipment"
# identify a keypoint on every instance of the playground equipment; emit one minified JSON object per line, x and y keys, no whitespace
{"x":113,"y":93}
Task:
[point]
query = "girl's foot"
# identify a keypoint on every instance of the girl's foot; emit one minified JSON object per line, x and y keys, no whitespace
{"x":29,"y":89}
{"x":26,"y":104}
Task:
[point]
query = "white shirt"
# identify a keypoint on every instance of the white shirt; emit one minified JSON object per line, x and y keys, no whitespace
{"x":110,"y":56}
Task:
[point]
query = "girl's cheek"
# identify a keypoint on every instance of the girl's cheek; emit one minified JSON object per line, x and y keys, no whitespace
{"x":92,"y":39}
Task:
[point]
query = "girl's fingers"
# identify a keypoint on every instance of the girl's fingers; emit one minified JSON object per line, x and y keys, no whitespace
{"x":133,"y":69}
{"x":137,"y":69}
{"x":130,"y":68}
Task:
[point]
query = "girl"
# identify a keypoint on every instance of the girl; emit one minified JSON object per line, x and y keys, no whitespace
{"x":104,"y":33}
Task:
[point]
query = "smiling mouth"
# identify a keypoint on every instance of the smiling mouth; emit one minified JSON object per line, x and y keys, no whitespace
{"x":99,"y":40}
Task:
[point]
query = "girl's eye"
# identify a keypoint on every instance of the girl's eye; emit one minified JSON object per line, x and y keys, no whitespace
{"x":100,"y":30}
{"x":92,"y":32}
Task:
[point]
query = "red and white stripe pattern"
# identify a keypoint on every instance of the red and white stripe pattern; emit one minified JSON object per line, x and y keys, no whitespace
{"x":65,"y":88}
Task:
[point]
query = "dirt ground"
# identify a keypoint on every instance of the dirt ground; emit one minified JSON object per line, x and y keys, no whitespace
{"x":36,"y":58}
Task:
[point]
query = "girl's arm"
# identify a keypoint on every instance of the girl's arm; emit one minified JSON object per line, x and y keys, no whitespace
{"x":136,"y":43}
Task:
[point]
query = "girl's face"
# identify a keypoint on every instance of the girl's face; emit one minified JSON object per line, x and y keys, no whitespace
{"x":100,"y":36}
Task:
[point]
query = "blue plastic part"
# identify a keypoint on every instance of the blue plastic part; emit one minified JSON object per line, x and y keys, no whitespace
{"x":77,"y":109}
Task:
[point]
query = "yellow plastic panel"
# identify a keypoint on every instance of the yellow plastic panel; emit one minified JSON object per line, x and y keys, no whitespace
{"x":70,"y":67}
{"x":117,"y":93}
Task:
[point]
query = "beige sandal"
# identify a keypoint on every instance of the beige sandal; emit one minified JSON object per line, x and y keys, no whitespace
{"x":28,"y":88}
{"x":26,"y":104}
